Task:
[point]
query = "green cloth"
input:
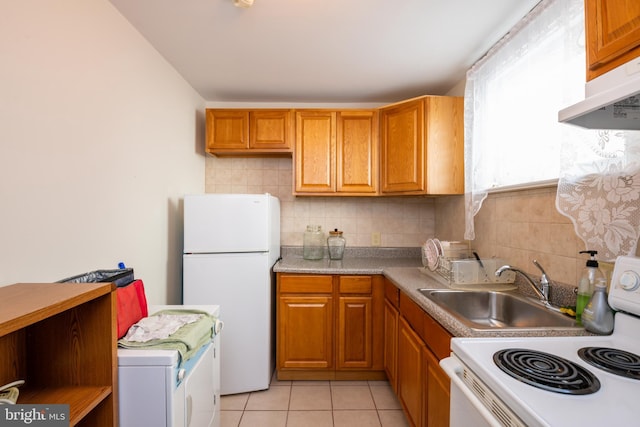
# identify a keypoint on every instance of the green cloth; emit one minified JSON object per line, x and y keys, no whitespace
{"x":187,"y":340}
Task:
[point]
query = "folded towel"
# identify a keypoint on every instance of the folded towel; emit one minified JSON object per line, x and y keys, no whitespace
{"x":159,"y":326}
{"x":187,"y":339}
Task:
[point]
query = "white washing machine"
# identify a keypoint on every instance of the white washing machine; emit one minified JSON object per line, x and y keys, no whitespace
{"x":155,"y":392}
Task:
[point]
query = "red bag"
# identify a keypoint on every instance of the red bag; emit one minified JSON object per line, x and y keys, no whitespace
{"x":132,"y":305}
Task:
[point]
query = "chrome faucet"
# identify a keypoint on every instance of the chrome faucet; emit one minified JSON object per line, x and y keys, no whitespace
{"x":544,"y":280}
{"x":542,"y":291}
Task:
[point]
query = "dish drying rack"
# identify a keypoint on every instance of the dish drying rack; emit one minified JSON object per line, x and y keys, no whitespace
{"x":460,"y":267}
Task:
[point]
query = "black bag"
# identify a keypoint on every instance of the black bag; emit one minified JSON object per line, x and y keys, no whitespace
{"x":121,"y":277}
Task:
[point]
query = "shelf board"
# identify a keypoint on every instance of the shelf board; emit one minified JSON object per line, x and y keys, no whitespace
{"x":81,"y":399}
{"x":24,"y":304}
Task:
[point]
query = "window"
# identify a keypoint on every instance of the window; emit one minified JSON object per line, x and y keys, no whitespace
{"x":512,"y":99}
{"x":513,"y":138}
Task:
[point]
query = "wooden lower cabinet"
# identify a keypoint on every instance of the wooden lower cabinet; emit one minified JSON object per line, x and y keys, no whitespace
{"x":436,"y":398}
{"x":414,"y":345}
{"x":312,"y":349}
{"x":410,"y":372}
{"x":355,"y":332}
{"x":325,"y":327}
{"x":391,"y":317}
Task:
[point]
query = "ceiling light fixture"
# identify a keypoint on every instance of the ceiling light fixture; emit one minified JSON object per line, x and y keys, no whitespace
{"x":243,"y":3}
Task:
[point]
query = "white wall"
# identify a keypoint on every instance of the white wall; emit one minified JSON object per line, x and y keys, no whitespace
{"x":458,"y":89}
{"x":99,"y":138}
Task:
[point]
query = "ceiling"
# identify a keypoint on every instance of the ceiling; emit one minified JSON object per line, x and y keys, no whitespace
{"x":323,"y":51}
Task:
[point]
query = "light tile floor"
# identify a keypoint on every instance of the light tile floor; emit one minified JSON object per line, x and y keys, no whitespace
{"x":315,"y":404}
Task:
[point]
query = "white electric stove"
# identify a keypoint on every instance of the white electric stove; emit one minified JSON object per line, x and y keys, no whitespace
{"x":555,"y":381}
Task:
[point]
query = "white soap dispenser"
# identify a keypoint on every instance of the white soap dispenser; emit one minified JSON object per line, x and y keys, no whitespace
{"x":590,"y":275}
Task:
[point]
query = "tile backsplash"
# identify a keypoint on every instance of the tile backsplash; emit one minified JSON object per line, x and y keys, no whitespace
{"x":518,"y":226}
{"x":401,"y":222}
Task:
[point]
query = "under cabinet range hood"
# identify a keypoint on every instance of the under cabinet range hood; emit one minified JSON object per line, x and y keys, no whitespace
{"x":612,"y":101}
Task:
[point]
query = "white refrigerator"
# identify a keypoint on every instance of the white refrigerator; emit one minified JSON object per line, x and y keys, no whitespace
{"x":231,"y":242}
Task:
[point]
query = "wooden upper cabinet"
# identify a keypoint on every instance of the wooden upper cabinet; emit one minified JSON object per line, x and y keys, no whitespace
{"x":402,"y":147}
{"x":249,"y":132}
{"x":270,"y":129}
{"x":336,"y":152}
{"x":414,"y":147}
{"x":357,"y":152}
{"x":612,"y":34}
{"x":315,"y":152}
{"x":422,"y":146}
{"x":444,"y":132}
{"x":227,"y":130}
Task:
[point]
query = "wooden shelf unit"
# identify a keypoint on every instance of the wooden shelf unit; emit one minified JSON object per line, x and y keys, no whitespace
{"x":61,"y":339}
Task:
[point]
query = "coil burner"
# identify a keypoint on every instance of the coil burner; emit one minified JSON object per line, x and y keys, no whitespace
{"x":546,"y":371}
{"x":612,"y":360}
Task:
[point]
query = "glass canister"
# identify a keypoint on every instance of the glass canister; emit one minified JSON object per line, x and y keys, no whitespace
{"x":336,"y":244}
{"x":313,"y":242}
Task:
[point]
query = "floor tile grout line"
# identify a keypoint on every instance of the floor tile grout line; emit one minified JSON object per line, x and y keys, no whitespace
{"x":333,"y":409}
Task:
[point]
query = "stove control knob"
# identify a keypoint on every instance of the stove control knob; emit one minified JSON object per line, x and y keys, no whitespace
{"x":629,"y":280}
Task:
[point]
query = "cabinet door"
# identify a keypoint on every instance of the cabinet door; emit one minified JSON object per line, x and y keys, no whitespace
{"x":315,"y":151}
{"x":436,"y":398}
{"x":357,"y":152}
{"x":305,"y":332}
{"x":354,"y":345}
{"x":410,"y":372}
{"x":391,"y":344}
{"x":402,"y":146}
{"x":227,"y":129}
{"x":270,"y":129}
{"x":445,"y":144}
{"x":612,"y":32}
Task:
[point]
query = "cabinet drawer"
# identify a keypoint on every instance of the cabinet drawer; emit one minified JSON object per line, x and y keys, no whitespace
{"x":306,"y":284}
{"x":436,"y":337}
{"x":355,"y":285}
{"x":392,"y":293}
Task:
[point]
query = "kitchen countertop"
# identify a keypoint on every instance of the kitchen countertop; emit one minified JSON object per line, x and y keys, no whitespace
{"x":406,"y":272}
{"x":360,"y":265}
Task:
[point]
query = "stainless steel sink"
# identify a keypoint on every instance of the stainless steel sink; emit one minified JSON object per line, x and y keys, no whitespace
{"x":496,"y":310}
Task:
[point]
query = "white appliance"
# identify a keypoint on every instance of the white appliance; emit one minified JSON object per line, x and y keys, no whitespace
{"x":231,"y":242}
{"x":155,"y":390}
{"x":485,"y":394}
{"x":612,"y":101}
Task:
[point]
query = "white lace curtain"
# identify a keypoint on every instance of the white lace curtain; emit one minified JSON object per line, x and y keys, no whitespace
{"x":599,"y":190}
{"x":513,"y":138}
